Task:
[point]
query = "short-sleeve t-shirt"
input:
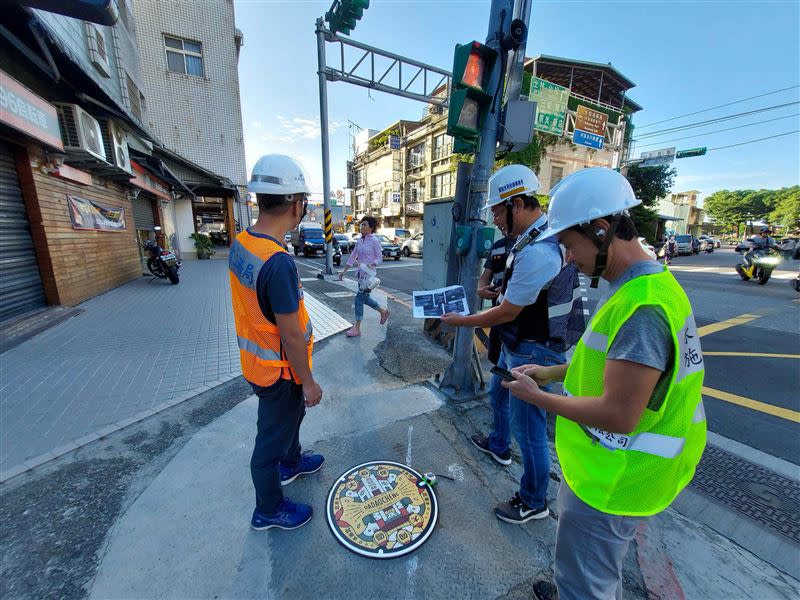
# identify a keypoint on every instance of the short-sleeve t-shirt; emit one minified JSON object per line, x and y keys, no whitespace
{"x":277,"y":285}
{"x":535,"y":266}
{"x":645,"y":338}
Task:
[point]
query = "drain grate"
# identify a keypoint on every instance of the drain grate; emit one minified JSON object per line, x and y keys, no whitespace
{"x":766,"y":498}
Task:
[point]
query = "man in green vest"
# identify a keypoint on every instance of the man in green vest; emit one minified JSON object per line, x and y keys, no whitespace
{"x":630,"y":425}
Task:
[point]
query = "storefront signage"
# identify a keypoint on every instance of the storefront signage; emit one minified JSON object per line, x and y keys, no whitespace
{"x":26,"y":112}
{"x":149,"y":183}
{"x":88,"y":214}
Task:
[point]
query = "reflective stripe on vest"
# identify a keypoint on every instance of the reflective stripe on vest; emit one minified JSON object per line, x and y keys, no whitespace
{"x":262,"y":353}
{"x":649,"y":443}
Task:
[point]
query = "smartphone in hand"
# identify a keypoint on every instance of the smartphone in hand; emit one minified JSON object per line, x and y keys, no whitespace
{"x":502,"y":373}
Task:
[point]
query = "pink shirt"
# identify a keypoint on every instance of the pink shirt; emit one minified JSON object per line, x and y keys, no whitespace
{"x":368,"y":251}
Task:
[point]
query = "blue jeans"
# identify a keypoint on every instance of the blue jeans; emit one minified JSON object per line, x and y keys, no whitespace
{"x":527,"y":422}
{"x":363,"y":298}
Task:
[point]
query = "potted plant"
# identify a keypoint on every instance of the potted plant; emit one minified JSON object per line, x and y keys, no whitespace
{"x":203,"y":245}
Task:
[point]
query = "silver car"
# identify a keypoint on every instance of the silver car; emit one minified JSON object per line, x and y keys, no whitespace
{"x":413,"y":245}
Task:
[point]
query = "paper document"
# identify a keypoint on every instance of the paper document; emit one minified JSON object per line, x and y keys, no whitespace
{"x":435,"y":303}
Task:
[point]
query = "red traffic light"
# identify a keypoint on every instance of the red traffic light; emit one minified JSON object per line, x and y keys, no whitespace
{"x":473,"y":73}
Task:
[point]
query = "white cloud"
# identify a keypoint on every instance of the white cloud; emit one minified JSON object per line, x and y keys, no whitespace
{"x":307,"y":129}
{"x":256,"y":124}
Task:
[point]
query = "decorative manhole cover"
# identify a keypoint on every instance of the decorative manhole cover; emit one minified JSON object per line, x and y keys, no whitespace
{"x":380,"y":510}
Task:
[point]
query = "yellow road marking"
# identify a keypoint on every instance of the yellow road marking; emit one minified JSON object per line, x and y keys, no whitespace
{"x":715,"y":327}
{"x":777,"y":411}
{"x":752,"y":354}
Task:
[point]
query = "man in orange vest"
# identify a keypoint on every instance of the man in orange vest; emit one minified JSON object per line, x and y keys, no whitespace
{"x":275,"y":340}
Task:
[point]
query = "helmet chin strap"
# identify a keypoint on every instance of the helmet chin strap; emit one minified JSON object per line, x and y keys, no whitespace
{"x":510,"y":217}
{"x":602,"y":244}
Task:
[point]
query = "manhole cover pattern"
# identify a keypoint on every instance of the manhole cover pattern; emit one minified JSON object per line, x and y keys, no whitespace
{"x":379,"y":510}
{"x":766,"y":498}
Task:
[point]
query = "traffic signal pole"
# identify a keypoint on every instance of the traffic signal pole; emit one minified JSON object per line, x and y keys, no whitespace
{"x":459,"y":381}
{"x":326,"y":166}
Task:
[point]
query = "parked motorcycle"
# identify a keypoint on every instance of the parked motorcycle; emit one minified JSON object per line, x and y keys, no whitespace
{"x":761,"y":266}
{"x":161,"y":263}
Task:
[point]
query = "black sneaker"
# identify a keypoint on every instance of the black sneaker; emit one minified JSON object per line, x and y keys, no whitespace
{"x":516,"y":511}
{"x":482,"y":443}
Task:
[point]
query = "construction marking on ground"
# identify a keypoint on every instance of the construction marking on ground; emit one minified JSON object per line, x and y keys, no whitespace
{"x":777,"y":411}
{"x":722,"y":325}
{"x":724,"y":271}
{"x":752,"y":354}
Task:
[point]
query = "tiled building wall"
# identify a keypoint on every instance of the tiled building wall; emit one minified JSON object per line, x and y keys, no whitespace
{"x":199,"y":118}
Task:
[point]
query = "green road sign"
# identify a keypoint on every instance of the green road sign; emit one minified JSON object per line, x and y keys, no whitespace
{"x":691,"y":152}
{"x":551,"y":105}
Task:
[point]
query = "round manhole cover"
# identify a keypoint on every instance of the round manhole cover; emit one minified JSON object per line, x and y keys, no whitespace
{"x":380,"y":510}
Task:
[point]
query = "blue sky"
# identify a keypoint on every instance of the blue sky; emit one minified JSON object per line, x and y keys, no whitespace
{"x":683,"y":56}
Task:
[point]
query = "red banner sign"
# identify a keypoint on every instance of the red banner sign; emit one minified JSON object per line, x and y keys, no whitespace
{"x":25,"y":111}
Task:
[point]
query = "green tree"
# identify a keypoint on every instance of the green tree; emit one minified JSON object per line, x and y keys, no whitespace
{"x":786,"y":208}
{"x":649,"y":184}
{"x":734,"y":207}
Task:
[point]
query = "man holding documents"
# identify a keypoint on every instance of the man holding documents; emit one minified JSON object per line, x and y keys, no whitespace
{"x":539,"y":316}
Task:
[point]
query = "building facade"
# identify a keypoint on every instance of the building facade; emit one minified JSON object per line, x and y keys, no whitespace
{"x":83,"y":181}
{"x":680,"y":213}
{"x":411,"y":162}
{"x":190,"y":54}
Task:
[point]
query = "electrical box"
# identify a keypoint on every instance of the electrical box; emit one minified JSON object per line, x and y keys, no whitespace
{"x":463,"y":239}
{"x":485,"y":241}
{"x":518,"y":125}
{"x":438,"y":255}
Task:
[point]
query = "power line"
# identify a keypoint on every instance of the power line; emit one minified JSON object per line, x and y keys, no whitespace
{"x":716,"y":120}
{"x":697,"y":112}
{"x":716,"y":131}
{"x":754,"y":141}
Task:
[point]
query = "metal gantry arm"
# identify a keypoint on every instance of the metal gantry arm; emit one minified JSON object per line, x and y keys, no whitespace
{"x":408,"y":72}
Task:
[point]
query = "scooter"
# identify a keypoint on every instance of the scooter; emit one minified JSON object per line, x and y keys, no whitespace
{"x":161,"y":263}
{"x":760,"y":267}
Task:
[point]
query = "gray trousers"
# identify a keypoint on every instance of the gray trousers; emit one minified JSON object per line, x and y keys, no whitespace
{"x":590,"y":548}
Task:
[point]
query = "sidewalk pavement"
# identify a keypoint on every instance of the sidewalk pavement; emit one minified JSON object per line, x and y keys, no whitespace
{"x":187,"y":534}
{"x":133,"y":351}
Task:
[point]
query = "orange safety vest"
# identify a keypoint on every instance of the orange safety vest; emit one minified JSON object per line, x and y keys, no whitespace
{"x":260,"y":349}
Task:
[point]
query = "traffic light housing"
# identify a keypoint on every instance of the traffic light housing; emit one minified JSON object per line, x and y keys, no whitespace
{"x":344,"y":14}
{"x":469,"y":97}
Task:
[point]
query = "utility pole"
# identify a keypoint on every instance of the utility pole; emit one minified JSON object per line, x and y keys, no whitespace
{"x":459,"y":381}
{"x":326,"y":167}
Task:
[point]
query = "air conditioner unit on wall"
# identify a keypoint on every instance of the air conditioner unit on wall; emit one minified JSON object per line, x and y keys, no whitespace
{"x":115,"y":141}
{"x":80,"y":133}
{"x":98,"y":49}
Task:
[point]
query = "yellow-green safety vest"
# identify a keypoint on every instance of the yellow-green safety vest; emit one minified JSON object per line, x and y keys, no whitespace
{"x":638,"y":473}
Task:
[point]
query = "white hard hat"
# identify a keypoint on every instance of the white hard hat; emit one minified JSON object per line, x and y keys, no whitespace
{"x":278,"y":174}
{"x":510,"y":181}
{"x":586,"y":195}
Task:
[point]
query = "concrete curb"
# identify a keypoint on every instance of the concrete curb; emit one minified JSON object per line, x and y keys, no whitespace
{"x":659,"y":577}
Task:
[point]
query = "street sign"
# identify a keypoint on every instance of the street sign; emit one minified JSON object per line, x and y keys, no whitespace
{"x":653,"y":158}
{"x":590,"y":127}
{"x":551,"y":105}
{"x":692,"y":152}
{"x":584,"y":138}
{"x":395,"y":197}
{"x":394,"y":142}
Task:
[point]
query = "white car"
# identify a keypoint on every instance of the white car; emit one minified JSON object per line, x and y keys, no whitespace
{"x":651,"y":252}
{"x":412,"y":245}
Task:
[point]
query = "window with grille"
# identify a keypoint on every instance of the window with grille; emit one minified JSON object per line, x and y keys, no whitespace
{"x":416,"y":156}
{"x":359,"y":177}
{"x":441,"y":185}
{"x":184,"y":56}
{"x":442,"y":146}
